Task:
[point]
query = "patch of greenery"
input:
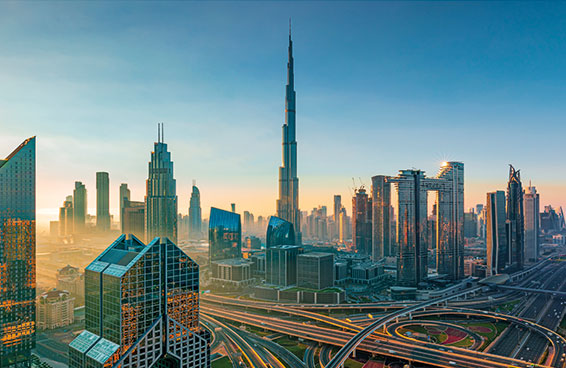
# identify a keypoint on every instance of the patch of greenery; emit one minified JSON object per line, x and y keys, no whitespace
{"x":223,"y":362}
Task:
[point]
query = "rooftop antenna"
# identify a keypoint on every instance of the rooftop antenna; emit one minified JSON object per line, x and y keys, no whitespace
{"x":158,"y":134}
{"x":289,"y":27}
{"x":162,"y":133}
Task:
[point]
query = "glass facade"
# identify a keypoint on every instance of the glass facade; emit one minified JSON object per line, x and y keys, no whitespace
{"x":281,"y":265}
{"x":17,"y":256}
{"x":515,"y":219}
{"x":381,"y":211}
{"x":315,"y":270}
{"x":279,"y":232}
{"x":496,"y":240}
{"x":224,"y":235}
{"x":142,"y":308}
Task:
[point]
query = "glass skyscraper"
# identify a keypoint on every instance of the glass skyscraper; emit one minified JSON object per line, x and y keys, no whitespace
{"x":195,"y":214}
{"x":515,"y":219}
{"x":532,"y":223}
{"x":362,"y":222}
{"x":496,"y":239}
{"x":141,"y":309}
{"x":79,"y":207}
{"x":102,"y":201}
{"x":124,"y":196}
{"x":161,"y":197}
{"x":224,"y":235}
{"x":17,"y":256}
{"x":279,"y":232}
{"x":381,"y":215}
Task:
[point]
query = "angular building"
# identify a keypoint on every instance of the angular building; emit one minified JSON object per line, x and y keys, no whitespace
{"x":142,"y":309}
{"x":515,"y":220}
{"x":195,"y":215}
{"x":224,"y":235}
{"x":288,"y":202}
{"x":532,"y":223}
{"x":102,"y":201}
{"x":381,"y":220}
{"x":362,"y":222}
{"x":17,"y":256}
{"x":161,"y":195}
{"x":124,"y":196}
{"x":133,"y":218}
{"x":79,"y":207}
{"x":281,"y":265}
{"x":496,"y":239}
{"x":279,"y":232}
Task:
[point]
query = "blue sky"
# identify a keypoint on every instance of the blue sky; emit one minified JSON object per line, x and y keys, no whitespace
{"x":380,"y":87}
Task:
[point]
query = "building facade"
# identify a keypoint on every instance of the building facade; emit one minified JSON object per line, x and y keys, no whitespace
{"x":381,"y":221}
{"x":161,"y":195}
{"x":288,"y":203}
{"x":80,"y":205}
{"x":496,"y":238}
{"x":195,"y":215}
{"x":515,"y":220}
{"x":66,"y":218}
{"x":55,"y":309}
{"x":281,"y":265}
{"x":133,"y":218}
{"x":315,"y":270}
{"x":17,"y":256}
{"x":71,"y":279}
{"x":224,"y":235}
{"x":142,"y":309}
{"x":279,"y":232}
{"x":124,"y":194}
{"x":102,"y":201}
{"x":532,"y":224}
{"x":362,"y":222}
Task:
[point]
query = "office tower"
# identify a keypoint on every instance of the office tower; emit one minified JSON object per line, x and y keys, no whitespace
{"x":281,"y":265}
{"x":336,"y":216}
{"x":66,"y":218}
{"x":279,"y":232}
{"x":381,"y":220}
{"x":532,"y":223}
{"x":161,"y":197}
{"x":260,"y":223}
{"x":233,"y":206}
{"x":481,"y":211}
{"x":133,"y":218}
{"x":515,"y":219}
{"x":248,"y":221}
{"x":54,"y":309}
{"x":17,"y":256}
{"x":315,"y":270}
{"x":450,"y":220}
{"x":141,"y":309}
{"x":496,"y":239}
{"x":343,"y":226}
{"x":224,"y":235}
{"x":549,"y":220}
{"x":470,"y":224}
{"x":124,"y":196}
{"x":102,"y":201}
{"x":195,"y":214}
{"x":412,"y":263}
{"x":79,"y":207}
{"x":361,"y":222}
{"x":288,"y":202}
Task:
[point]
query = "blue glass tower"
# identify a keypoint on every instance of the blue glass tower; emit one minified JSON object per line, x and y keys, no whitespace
{"x":224,"y":235}
{"x":279,"y":232}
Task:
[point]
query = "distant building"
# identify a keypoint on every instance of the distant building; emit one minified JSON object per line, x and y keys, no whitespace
{"x":367,"y":273}
{"x":253,"y":242}
{"x":66,"y":218}
{"x":224,"y":235}
{"x":79,"y":207}
{"x":236,"y":272}
{"x":336,"y":216}
{"x":195,"y":215}
{"x":102,"y":201}
{"x":532,"y":224}
{"x":470,"y":225}
{"x":549,"y":221}
{"x":133,"y":218}
{"x":343,"y":226}
{"x":362,"y":222}
{"x":17,"y":256}
{"x":515,"y":220}
{"x":161,"y":195}
{"x":142,"y":309}
{"x":381,"y":218}
{"x":496,"y":239}
{"x":72,"y":280}
{"x":53,"y":229}
{"x":258,"y":265}
{"x":54,"y":309}
{"x":315,"y":270}
{"x":281,"y":265}
{"x":279,"y":232}
{"x":124,"y":196}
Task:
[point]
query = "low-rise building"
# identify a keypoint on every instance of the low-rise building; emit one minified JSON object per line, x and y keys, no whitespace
{"x":54,"y":309}
{"x":235,"y":272}
{"x":315,"y":270}
{"x":71,"y":279}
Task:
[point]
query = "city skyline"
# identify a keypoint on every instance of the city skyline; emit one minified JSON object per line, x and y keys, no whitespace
{"x":480,"y":96}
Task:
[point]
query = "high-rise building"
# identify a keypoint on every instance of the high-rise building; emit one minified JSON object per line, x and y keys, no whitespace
{"x":133,"y":218}
{"x":279,"y":232}
{"x":515,"y":219}
{"x":195,"y":215}
{"x":79,"y":207}
{"x":161,"y":196}
{"x":532,"y":224}
{"x":124,"y":196}
{"x":381,"y":220}
{"x":361,"y":222}
{"x":102,"y":201}
{"x":55,"y":308}
{"x":343,"y":226}
{"x":66,"y":218}
{"x":17,"y":256}
{"x":141,"y":309}
{"x":315,"y":270}
{"x":288,"y":202}
{"x":450,"y":220}
{"x":224,"y":235}
{"x":496,"y":239}
{"x":470,"y":224}
{"x":281,"y":265}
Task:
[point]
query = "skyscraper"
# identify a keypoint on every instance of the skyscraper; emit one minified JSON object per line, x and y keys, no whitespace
{"x":124,"y":196}
{"x":496,"y":239}
{"x":515,"y":219}
{"x":288,"y":202}
{"x":279,"y":232}
{"x":133,"y":218}
{"x":79,"y":207}
{"x":361,"y":222}
{"x":141,"y":309}
{"x":224,"y":235}
{"x":195,"y":214}
{"x":102,"y":201}
{"x":66,"y":218}
{"x":532,"y":224}
{"x":161,"y":196}
{"x":381,"y":220}
{"x":17,"y":256}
